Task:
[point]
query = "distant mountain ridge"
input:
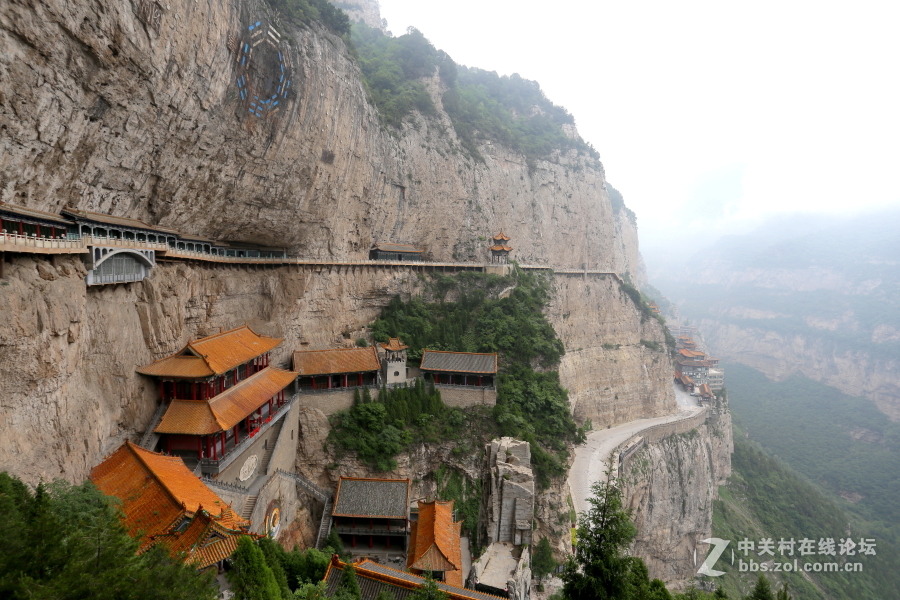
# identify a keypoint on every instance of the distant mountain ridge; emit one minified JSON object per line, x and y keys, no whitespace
{"x":814,"y":295}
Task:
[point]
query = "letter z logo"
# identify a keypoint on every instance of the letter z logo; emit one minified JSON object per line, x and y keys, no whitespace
{"x":718,"y":548}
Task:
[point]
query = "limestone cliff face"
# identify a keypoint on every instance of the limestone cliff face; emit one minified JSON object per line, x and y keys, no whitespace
{"x":68,"y":388}
{"x":137,"y":109}
{"x":612,"y":377}
{"x":670,"y":486}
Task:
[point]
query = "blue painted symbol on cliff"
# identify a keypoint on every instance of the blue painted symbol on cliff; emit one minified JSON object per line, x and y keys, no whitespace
{"x":263,"y":68}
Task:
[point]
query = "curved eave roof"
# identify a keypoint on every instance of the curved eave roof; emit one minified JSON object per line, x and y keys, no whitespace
{"x":205,"y":417}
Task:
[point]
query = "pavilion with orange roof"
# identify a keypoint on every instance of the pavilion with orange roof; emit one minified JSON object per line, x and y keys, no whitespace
{"x":499,"y":248}
{"x":434,"y":544}
{"x":163,"y":502}
{"x":218,"y":390}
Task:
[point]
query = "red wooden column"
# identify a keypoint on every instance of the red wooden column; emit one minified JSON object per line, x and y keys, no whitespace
{"x":359,"y":379}
{"x":345,"y":380}
{"x":199,"y":446}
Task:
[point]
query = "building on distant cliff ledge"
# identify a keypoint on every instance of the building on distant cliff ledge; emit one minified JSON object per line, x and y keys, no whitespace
{"x":499,"y":248}
{"x":434,"y":543}
{"x":163,"y":502}
{"x":219,"y":392}
{"x":394,"y":361}
{"x":389,"y":251}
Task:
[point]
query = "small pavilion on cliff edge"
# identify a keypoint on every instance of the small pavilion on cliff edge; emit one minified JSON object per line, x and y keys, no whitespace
{"x":499,"y":248}
{"x":218,"y":391}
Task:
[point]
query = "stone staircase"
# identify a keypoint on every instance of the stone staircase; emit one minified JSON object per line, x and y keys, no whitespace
{"x":273,"y":440}
{"x":150,"y":438}
{"x":325,"y":526}
{"x":249,"y":505}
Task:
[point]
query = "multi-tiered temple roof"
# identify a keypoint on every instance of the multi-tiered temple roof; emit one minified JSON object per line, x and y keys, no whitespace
{"x":162,"y":501}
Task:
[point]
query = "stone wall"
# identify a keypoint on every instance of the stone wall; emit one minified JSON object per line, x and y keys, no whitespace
{"x":284,"y":455}
{"x":281,"y":490}
{"x":328,"y":402}
{"x":462,"y":396}
{"x":261,"y":442}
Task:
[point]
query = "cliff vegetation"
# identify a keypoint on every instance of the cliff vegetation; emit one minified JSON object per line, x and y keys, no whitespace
{"x":472,"y":312}
{"x":482,"y":105}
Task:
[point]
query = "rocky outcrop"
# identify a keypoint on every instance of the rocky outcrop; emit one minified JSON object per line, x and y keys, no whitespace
{"x":509,"y":496}
{"x":616,"y":367}
{"x":669,"y":485}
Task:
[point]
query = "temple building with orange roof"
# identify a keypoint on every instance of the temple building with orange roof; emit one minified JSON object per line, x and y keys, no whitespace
{"x":375,"y":579}
{"x":164,"y":503}
{"x":219,"y":393}
{"x":434,"y":543}
{"x":500,"y":249}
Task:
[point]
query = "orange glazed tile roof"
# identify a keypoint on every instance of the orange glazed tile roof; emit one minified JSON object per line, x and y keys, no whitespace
{"x":374,"y":578}
{"x":434,"y":541}
{"x":394,"y":344}
{"x":156,"y":491}
{"x":213,"y":355}
{"x":501,"y":236}
{"x":204,"y":541}
{"x":203,"y":417}
{"x":331,"y":362}
{"x":498,"y":248}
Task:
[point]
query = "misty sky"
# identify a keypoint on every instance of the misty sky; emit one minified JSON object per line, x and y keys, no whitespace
{"x":705,"y":114}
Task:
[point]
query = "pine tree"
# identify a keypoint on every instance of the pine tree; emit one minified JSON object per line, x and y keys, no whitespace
{"x":429,"y":591}
{"x":250,"y":577}
{"x":762,"y":590}
{"x":542,"y":561}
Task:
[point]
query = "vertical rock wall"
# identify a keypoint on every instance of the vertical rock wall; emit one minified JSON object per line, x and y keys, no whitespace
{"x":670,"y":486}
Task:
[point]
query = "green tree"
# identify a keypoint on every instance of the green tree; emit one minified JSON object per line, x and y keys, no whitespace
{"x":67,"y":542}
{"x":429,"y":591}
{"x":601,"y":568}
{"x":250,"y":576}
{"x":783,"y":593}
{"x":762,"y":590}
{"x":542,"y":561}
{"x":348,"y":589}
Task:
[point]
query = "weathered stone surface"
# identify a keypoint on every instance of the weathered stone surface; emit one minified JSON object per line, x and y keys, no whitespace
{"x":509,"y":489}
{"x":612,"y":377}
{"x":670,"y":486}
{"x":109,"y":114}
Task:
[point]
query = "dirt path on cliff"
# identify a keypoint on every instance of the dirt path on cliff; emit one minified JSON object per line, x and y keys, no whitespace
{"x":591,"y":458}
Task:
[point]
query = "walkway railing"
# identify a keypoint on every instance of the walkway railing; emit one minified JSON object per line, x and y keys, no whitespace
{"x":315,"y":491}
{"x":12,"y":242}
{"x":93,"y":240}
{"x":217,"y":466}
{"x":154,"y":423}
{"x":224,"y":485}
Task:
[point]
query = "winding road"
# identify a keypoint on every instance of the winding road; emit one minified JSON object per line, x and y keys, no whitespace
{"x":591,"y":459}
